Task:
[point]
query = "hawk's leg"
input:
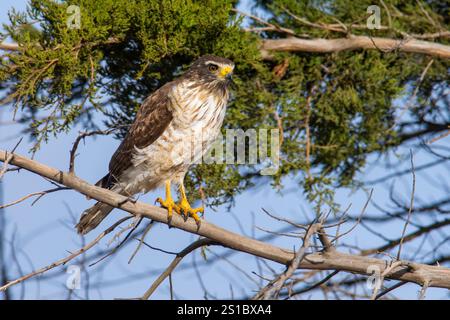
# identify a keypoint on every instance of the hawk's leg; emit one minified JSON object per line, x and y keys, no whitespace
{"x":168,"y":203}
{"x":185,"y":208}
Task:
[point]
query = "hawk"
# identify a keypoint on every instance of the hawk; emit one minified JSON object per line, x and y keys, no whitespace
{"x":188,"y":111}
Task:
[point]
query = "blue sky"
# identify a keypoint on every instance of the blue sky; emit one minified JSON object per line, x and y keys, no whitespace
{"x":44,"y":232}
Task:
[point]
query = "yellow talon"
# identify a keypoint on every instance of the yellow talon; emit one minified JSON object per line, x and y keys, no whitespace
{"x":185,"y":209}
{"x":169,"y":204}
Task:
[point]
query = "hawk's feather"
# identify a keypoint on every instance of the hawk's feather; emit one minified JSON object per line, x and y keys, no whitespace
{"x":187,"y":112}
{"x":152,"y":119}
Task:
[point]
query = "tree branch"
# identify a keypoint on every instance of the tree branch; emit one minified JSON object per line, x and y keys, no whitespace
{"x":411,"y":45}
{"x":421,"y":274}
{"x":9,"y":46}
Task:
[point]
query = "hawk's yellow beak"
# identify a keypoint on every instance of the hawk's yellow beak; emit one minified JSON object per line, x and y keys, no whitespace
{"x":225,"y":71}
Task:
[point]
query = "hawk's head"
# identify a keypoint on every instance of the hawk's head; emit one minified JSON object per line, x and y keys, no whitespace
{"x":212,"y":69}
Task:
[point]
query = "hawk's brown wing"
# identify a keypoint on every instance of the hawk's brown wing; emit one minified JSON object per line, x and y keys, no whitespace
{"x":152,"y":119}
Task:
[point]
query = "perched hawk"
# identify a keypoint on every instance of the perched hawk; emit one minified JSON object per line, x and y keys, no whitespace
{"x":188,"y":111}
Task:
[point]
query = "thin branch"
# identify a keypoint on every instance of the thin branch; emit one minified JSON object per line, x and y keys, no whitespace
{"x":272,"y":289}
{"x":40,"y":194}
{"x":322,"y":26}
{"x":158,"y":249}
{"x":342,"y":28}
{"x":423,"y":290}
{"x":270,"y":26}
{"x":82,"y":136}
{"x":441,"y":136}
{"x":8,"y":158}
{"x":66,"y":259}
{"x":393,"y":243}
{"x":314,"y":286}
{"x":141,"y":241}
{"x":193,"y":246}
{"x":133,"y":227}
{"x":411,"y":99}
{"x":385,"y":272}
{"x":411,"y":205}
{"x":395,"y":286}
{"x":358,"y":220}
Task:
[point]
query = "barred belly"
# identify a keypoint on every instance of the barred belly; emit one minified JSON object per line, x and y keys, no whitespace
{"x":197,"y":119}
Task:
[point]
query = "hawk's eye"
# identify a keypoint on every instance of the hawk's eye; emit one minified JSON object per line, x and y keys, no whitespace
{"x":212,"y":67}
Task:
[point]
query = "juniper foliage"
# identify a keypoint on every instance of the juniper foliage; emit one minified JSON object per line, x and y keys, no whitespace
{"x":334,"y":110}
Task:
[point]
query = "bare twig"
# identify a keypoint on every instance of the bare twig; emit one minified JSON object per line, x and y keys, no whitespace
{"x":314,"y":286}
{"x":133,"y":227}
{"x":411,"y":99}
{"x":445,"y":134}
{"x":423,"y":290}
{"x":141,"y":241}
{"x":270,"y":26}
{"x":319,"y":25}
{"x":358,"y":220}
{"x":9,"y":157}
{"x":308,"y":104}
{"x":395,"y":286}
{"x":66,"y":259}
{"x":272,"y":289}
{"x":405,"y":238}
{"x":411,"y":205}
{"x":195,"y":245}
{"x":40,"y":194}
{"x":82,"y":136}
{"x":385,"y":272}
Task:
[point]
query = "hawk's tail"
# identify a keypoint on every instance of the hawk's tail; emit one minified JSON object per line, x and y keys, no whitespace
{"x":92,"y":217}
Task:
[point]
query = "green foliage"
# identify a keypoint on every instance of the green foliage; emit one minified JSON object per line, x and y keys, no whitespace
{"x":334,"y":109}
